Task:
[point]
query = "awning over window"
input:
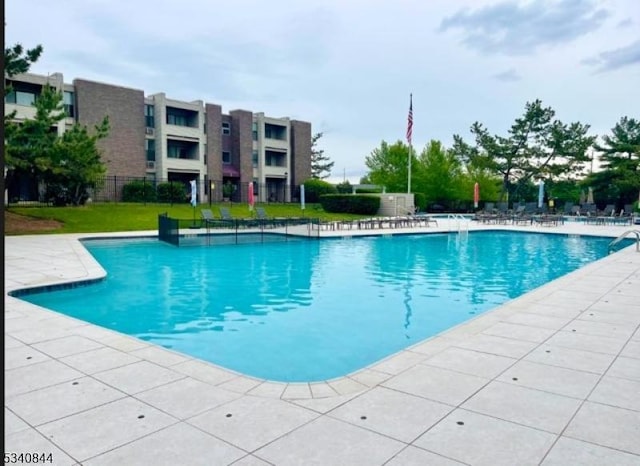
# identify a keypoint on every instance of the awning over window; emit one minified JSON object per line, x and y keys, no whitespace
{"x":230,"y":171}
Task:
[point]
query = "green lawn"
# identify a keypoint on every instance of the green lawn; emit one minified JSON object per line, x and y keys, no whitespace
{"x":110,"y":217}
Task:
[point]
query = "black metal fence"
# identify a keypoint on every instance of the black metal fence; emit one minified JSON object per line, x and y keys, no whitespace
{"x":168,"y":229}
{"x":189,"y":232}
{"x":168,"y":191}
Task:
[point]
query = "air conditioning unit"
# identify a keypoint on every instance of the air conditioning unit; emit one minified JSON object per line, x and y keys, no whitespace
{"x":149,"y":131}
{"x":151,"y":164}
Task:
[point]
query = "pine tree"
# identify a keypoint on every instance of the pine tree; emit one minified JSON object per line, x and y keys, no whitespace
{"x":320,"y":164}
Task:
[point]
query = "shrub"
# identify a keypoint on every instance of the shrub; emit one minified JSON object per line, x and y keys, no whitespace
{"x":344,"y":187}
{"x":350,"y":203}
{"x":420,"y":201}
{"x":172,"y":192}
{"x":139,"y":191}
{"x":314,"y":188}
{"x":368,"y":190}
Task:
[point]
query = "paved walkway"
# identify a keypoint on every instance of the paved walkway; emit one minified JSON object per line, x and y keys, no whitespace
{"x":550,"y":378}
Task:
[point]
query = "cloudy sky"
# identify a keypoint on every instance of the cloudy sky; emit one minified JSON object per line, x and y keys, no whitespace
{"x":348,"y":66}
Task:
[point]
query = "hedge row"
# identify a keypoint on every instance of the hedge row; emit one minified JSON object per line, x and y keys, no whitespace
{"x":143,"y":191}
{"x":350,"y":203}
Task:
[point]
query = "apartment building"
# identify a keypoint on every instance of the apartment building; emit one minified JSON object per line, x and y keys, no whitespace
{"x":158,"y":138}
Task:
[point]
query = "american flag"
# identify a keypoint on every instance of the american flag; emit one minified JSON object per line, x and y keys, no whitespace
{"x":410,"y":119}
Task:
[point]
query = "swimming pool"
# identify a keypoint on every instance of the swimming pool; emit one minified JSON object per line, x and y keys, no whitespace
{"x":316,"y":309}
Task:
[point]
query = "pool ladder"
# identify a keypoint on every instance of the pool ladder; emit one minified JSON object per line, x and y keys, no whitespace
{"x":460,"y":221}
{"x":623,"y":236}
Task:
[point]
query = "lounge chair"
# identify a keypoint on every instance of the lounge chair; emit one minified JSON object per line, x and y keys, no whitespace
{"x":622,"y":218}
{"x":607,"y":215}
{"x":263,"y":219}
{"x":225,"y":214}
{"x":207,"y":216}
{"x":521,"y":216}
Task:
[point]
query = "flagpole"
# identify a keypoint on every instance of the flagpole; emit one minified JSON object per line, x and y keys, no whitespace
{"x":409,"y":170}
{"x":409,"y":135}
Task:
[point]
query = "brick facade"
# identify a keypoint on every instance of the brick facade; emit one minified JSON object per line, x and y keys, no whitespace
{"x":300,"y":151}
{"x":123,"y":150}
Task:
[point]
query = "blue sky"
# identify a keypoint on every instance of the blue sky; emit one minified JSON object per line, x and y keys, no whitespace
{"x":348,"y":66}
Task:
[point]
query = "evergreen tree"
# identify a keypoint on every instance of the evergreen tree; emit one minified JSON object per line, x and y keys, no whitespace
{"x":320,"y":163}
{"x":536,"y":146}
{"x":17,"y":60}
{"x":68,"y":164}
{"x":28,"y":144}
{"x":620,"y":179}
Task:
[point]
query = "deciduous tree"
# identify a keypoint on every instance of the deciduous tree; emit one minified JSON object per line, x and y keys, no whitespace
{"x":438,"y":174}
{"x":388,"y":166}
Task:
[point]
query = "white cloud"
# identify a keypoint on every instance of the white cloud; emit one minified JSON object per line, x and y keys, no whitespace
{"x":521,"y":28}
{"x":610,"y":60}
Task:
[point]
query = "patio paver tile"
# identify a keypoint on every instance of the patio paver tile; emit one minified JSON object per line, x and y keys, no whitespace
{"x":519,"y":332}
{"x":13,"y":423}
{"x":569,"y":451}
{"x":526,"y":406}
{"x":179,"y":444}
{"x":106,"y":427}
{"x":497,"y":345}
{"x":567,"y":382}
{"x":186,"y":397}
{"x":595,"y":343}
{"x":72,"y":397}
{"x":138,"y":377}
{"x":102,"y":359}
{"x":569,"y":358}
{"x":412,"y":456}
{"x":22,"y":356}
{"x":486,"y":441}
{"x":335,"y":442}
{"x":614,"y":391}
{"x":437,"y":384}
{"x":394,"y":414}
{"x":628,"y":368}
{"x":251,"y":422}
{"x":44,"y":374}
{"x":470,"y":362}
{"x":607,"y":426}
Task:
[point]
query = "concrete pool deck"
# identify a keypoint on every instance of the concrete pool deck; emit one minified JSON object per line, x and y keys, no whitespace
{"x":550,"y":378}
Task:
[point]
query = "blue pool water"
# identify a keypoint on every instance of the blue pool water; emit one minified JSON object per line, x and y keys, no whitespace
{"x":315,"y":309}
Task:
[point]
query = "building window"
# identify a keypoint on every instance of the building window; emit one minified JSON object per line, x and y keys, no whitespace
{"x":178,"y":120}
{"x":21,"y":93}
{"x":254,"y":131}
{"x":254,"y":158}
{"x":69,"y":104}
{"x":150,"y":148}
{"x":182,"y":117}
{"x":275,"y":132}
{"x":274,"y":159}
{"x":226,"y":128}
{"x":149,"y":112}
{"x":182,"y":150}
{"x":205,"y":154}
{"x":21,"y":98}
{"x":226,"y":157}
